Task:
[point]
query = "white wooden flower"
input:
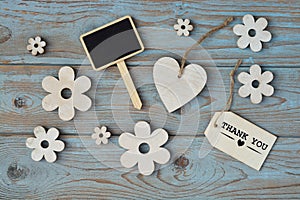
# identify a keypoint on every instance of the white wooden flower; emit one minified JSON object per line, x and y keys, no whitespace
{"x":255,"y":84}
{"x":67,"y":104}
{"x":100,"y":135}
{"x":144,"y":138}
{"x":36,"y":45}
{"x":252,"y":32}
{"x":183,"y":27}
{"x":45,"y":144}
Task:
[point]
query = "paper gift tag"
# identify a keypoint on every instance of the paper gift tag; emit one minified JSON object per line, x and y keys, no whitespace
{"x":240,"y":138}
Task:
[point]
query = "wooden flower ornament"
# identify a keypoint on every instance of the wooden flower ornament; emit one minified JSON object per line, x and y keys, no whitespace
{"x":252,"y":32}
{"x":183,"y":27}
{"x":36,"y":45}
{"x":144,"y":138}
{"x":255,"y":84}
{"x":66,"y":104}
{"x":45,"y":144}
{"x":100,"y":135}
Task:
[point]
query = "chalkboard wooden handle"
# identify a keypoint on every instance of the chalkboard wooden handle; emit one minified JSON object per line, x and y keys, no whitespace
{"x":134,"y":96}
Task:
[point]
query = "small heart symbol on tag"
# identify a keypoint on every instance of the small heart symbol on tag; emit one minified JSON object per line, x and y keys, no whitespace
{"x":173,"y":91}
{"x":240,"y":143}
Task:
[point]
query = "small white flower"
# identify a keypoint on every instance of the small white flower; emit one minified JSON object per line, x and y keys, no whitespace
{"x":252,"y":33}
{"x":100,"y":135}
{"x":255,"y":84}
{"x":183,"y":27}
{"x":143,"y":136}
{"x":66,"y":82}
{"x":44,"y":144}
{"x":36,"y":45}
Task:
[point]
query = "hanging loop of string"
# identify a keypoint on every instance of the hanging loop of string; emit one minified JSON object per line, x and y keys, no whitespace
{"x":229,"y":101}
{"x":184,"y":58}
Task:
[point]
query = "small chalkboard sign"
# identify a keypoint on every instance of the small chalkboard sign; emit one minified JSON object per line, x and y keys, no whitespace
{"x":112,"y":44}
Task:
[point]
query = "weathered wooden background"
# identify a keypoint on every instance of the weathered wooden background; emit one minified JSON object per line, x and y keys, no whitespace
{"x":77,"y":174}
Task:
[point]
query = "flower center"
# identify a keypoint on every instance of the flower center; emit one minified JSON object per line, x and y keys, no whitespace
{"x":66,"y":93}
{"x":144,"y":148}
{"x":36,"y":45}
{"x":251,"y":32}
{"x":45,"y":144}
{"x":101,"y":135}
{"x":182,"y":27}
{"x":255,"y":83}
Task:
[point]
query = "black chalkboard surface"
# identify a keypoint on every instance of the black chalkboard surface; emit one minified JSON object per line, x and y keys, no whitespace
{"x":111,"y":43}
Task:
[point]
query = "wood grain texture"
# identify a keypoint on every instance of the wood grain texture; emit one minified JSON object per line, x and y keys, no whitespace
{"x":62,"y":22}
{"x":77,"y":174}
{"x":21,"y":94}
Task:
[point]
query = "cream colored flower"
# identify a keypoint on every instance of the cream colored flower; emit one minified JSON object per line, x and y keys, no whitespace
{"x":183,"y":27}
{"x":152,"y":141}
{"x":100,"y":135}
{"x":44,"y":144}
{"x":66,"y":82}
{"x":36,"y":45}
{"x":255,"y":84}
{"x":252,"y":32}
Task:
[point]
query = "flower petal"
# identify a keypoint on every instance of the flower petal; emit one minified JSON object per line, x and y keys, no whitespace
{"x":158,"y":138}
{"x":50,"y":84}
{"x":256,"y":96}
{"x":98,"y":141}
{"x":240,"y":29}
{"x":52,"y":133}
{"x":186,"y":33}
{"x":264,"y":36}
{"x":107,"y":134}
{"x":176,"y":27}
{"x":40,"y":50}
{"x":261,"y":23}
{"x":42,"y":43}
{"x":37,"y":154}
{"x":38,"y":39}
{"x":81,"y":102}
{"x":128,"y":141}
{"x":243,"y":42}
{"x":97,"y":130}
{"x":104,"y":140}
{"x":142,"y":129}
{"x":50,"y":156}
{"x":267,"y":90}
{"x":50,"y":102}
{"x":146,"y":165}
{"x":82,"y":84}
{"x":180,"y":22}
{"x":189,"y":27}
{"x":248,"y":20}
{"x":66,"y":111}
{"x":128,"y":159}
{"x":39,"y":132}
{"x":29,"y":47}
{"x":180,"y":32}
{"x":57,"y":145}
{"x":255,"y":71}
{"x":32,"y":143}
{"x":66,"y":74}
{"x":95,"y":136}
{"x":255,"y":45}
{"x":31,"y":40}
{"x":162,"y":156}
{"x":34,"y":51}
{"x":267,"y":77}
{"x":103,"y":129}
{"x":186,"y":22}
{"x":244,"y":78}
{"x":244,"y":91}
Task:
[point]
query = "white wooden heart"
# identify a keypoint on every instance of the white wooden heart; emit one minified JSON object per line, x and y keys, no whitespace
{"x":173,"y":91}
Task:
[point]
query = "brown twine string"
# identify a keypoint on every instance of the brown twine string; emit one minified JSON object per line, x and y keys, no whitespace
{"x":229,"y":101}
{"x":225,"y":23}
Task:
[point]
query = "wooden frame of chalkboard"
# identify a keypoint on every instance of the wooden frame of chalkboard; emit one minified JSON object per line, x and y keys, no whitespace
{"x":142,"y":48}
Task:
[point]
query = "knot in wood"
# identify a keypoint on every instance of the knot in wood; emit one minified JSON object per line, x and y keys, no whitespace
{"x":19,"y":102}
{"x":182,"y":162}
{"x":16,"y":173}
